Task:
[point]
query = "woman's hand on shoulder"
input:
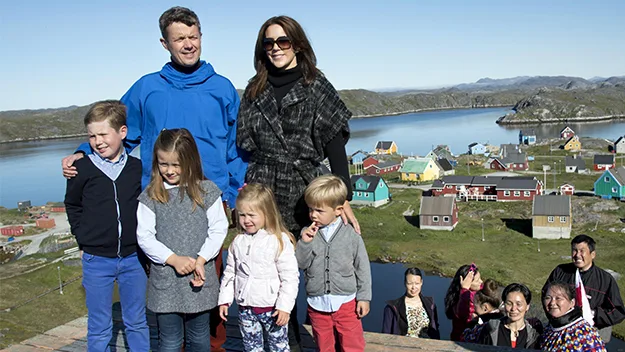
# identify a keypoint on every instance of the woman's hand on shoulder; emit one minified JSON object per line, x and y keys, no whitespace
{"x":282,"y":317}
{"x":348,"y":217}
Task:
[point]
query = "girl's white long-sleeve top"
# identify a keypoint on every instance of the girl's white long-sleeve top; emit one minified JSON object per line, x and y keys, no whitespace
{"x":257,"y":275}
{"x":158,"y":252}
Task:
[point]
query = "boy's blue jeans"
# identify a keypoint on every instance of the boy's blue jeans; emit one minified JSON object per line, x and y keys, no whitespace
{"x":173,"y":328}
{"x":99,"y":276}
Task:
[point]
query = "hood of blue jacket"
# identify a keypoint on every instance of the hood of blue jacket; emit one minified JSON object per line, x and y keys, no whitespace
{"x":182,"y":80}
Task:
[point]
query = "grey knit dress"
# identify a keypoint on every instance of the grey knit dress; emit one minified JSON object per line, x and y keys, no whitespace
{"x":183,"y":230}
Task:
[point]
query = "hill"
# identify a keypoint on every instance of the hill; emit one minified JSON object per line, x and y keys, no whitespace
{"x":535,"y":99}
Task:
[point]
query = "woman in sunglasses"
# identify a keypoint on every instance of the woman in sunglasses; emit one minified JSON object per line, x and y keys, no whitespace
{"x":290,"y":119}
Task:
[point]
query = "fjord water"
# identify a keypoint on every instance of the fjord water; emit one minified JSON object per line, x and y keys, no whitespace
{"x":32,"y":170}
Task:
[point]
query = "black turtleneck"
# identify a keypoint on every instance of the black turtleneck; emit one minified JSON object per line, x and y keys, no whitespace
{"x":282,"y":81}
{"x":185,"y":69}
{"x":566,"y":319}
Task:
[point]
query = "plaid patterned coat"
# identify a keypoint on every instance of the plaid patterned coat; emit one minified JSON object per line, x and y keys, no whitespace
{"x":286,"y":145}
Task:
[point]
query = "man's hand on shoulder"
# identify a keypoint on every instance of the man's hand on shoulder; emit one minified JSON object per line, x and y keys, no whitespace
{"x":69,"y":170}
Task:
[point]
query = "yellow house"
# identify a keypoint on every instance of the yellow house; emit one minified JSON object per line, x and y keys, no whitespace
{"x":420,"y":169}
{"x":386,"y":147}
{"x":573,"y":144}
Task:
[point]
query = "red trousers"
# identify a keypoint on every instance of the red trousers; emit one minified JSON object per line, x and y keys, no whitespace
{"x":344,"y":323}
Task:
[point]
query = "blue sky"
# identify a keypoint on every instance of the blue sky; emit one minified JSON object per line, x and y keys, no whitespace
{"x":60,"y":53}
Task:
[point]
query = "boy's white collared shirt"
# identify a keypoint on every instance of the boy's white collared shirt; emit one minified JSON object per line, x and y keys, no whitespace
{"x":329,"y":303}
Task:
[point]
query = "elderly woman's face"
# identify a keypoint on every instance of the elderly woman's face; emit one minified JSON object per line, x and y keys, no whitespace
{"x":413,"y":285}
{"x":516,"y":306}
{"x":557,"y":303}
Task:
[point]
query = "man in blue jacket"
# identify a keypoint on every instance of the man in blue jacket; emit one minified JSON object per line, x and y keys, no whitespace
{"x":185,"y":93}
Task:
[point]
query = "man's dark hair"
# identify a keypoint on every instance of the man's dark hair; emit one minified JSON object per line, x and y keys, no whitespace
{"x":584,"y":239}
{"x":177,"y":14}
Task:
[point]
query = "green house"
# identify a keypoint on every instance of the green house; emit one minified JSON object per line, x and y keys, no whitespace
{"x":611,"y":184}
{"x":369,"y":190}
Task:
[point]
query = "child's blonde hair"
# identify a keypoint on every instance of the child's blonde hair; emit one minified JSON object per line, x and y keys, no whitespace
{"x":260,"y":198}
{"x":181,"y":142}
{"x":113,"y":111}
{"x":328,"y":190}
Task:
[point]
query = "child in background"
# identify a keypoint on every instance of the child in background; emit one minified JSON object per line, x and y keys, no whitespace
{"x":261,"y":272}
{"x":338,"y":272}
{"x":487,"y":303}
{"x":459,"y":306}
{"x":181,"y":228}
{"x":101,"y":204}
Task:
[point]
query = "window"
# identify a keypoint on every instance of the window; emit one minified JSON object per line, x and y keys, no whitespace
{"x":506,"y":193}
{"x":448,"y":186}
{"x":359,"y":194}
{"x":434,"y":218}
{"x":613,"y":189}
{"x":445,"y":218}
{"x":517,"y":193}
{"x":486,"y":188}
{"x":381,"y":185}
{"x":606,"y":179}
{"x":367,"y":195}
{"x":377,"y":171}
{"x":550,"y":219}
{"x":563,"y":219}
{"x":526,"y":193}
{"x":407,"y":174}
{"x":458,"y":188}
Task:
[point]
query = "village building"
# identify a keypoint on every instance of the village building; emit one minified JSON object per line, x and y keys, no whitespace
{"x":510,"y":162}
{"x":385,"y":147}
{"x":518,"y":188}
{"x":57,"y":208}
{"x":369,"y":161}
{"x":442,"y":151}
{"x":358,"y":157}
{"x":573,"y":144}
{"x":567,"y":189}
{"x":438,"y":213}
{"x":23,"y":205}
{"x":619,"y":145}
{"x":567,"y":132}
{"x":551,"y":217}
{"x":611,"y":184}
{"x":487,"y":188}
{"x":574,"y":164}
{"x":527,"y":136}
{"x":15,"y":230}
{"x":382,"y":168}
{"x":45,"y":223}
{"x":419,"y":170}
{"x":446,"y":167}
{"x":369,"y":190}
{"x":603,"y":162}
{"x":477,"y":148}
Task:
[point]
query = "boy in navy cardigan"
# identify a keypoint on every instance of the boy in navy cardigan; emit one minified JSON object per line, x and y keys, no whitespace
{"x":101,"y":204}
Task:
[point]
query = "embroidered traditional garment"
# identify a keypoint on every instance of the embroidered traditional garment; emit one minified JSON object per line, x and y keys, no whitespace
{"x":418,"y":321}
{"x":574,"y":335}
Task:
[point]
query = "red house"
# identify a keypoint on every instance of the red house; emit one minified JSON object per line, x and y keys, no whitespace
{"x":451,"y":185}
{"x":567,"y":189}
{"x":57,"y":208}
{"x":12,"y":230}
{"x":567,"y":132}
{"x":369,"y":161}
{"x":604,"y":162}
{"x":518,"y":188}
{"x":45,"y":223}
{"x":496,"y":164}
{"x":383,"y":168}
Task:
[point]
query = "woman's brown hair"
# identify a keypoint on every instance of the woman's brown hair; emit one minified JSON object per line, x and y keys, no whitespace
{"x":181,"y":142}
{"x":306,"y":59}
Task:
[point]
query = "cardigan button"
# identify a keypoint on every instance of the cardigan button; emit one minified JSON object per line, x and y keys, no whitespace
{"x":328,"y":291}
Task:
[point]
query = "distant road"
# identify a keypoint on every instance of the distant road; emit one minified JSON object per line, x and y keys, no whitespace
{"x":62,"y":226}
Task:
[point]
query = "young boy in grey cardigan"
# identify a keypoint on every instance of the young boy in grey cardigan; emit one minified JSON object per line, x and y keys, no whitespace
{"x":336,"y":266}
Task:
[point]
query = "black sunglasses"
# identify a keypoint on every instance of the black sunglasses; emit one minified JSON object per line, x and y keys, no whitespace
{"x":284,"y":43}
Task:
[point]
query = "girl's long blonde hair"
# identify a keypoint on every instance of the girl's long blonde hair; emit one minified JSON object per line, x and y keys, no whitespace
{"x":181,"y":142}
{"x":260,"y":198}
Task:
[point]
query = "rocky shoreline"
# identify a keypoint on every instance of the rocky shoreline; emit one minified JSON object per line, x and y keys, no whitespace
{"x":584,"y":119}
{"x":487,"y":106}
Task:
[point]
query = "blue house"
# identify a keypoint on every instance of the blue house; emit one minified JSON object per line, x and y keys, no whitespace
{"x":369,"y":190}
{"x":527,"y":136}
{"x":477,"y":149}
{"x":358,"y":156}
